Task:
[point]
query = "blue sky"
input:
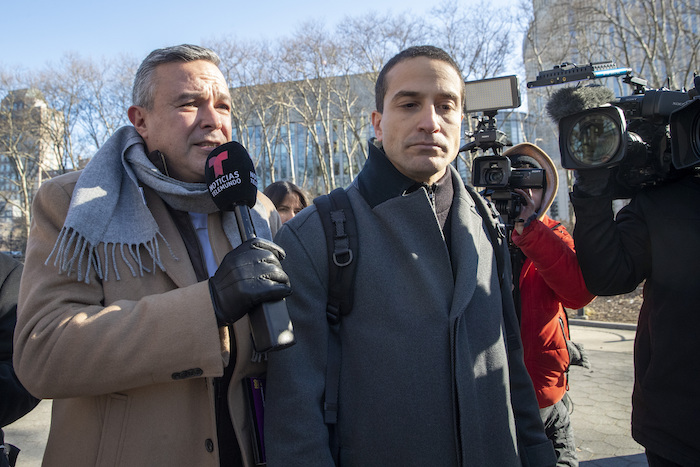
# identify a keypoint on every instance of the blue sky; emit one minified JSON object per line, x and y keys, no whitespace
{"x":36,"y":32}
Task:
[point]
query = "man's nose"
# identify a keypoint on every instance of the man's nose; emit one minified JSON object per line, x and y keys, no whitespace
{"x":210,"y":116}
{"x":429,"y":120}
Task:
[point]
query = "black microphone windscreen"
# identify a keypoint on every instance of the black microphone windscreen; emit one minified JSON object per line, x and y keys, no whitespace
{"x":571,"y":100}
{"x":230,"y":175}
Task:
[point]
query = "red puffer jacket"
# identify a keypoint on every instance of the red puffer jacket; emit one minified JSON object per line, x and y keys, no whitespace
{"x":550,"y":280}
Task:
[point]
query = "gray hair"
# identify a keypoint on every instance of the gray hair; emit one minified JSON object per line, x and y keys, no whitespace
{"x":143,"y":92}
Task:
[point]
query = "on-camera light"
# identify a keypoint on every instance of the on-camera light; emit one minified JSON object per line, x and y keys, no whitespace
{"x":491,"y":94}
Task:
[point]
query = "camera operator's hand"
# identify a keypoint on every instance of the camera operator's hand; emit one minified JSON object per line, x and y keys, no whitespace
{"x":528,"y":212}
{"x":591,"y":182}
{"x":248,"y":275}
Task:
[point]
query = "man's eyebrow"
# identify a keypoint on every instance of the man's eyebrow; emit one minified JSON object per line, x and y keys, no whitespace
{"x":193,"y":95}
{"x":188,"y":95}
{"x":450,"y":95}
{"x":223,"y":95}
{"x":401,"y":94}
{"x":442,"y":95}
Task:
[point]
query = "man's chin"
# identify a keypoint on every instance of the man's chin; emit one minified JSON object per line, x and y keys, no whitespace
{"x":428,"y":173}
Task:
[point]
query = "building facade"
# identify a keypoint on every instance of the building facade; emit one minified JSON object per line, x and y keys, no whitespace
{"x":27,"y":156}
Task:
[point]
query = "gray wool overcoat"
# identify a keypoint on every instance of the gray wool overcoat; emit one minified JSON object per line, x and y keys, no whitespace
{"x":424,"y":373}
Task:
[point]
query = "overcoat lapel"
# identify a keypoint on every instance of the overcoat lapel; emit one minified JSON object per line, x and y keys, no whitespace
{"x":467,"y":236}
{"x":220,"y":244}
{"x":174,"y":255}
{"x":410,"y":225}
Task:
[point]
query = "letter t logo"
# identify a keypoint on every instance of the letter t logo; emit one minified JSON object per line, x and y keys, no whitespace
{"x":217,"y":163}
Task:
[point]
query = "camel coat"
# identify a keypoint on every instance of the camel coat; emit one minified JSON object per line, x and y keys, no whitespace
{"x":129,"y":363}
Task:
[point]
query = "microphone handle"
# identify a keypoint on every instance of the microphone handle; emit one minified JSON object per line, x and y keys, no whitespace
{"x":269,"y":322}
{"x":245,"y":223}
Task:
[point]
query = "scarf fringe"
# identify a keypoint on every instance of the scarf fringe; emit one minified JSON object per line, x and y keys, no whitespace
{"x":73,"y":253}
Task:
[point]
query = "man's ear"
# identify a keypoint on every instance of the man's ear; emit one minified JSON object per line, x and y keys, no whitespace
{"x":376,"y":123}
{"x":137,"y":117}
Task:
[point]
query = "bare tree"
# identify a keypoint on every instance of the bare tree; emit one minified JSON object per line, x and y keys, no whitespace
{"x":480,"y":43}
{"x":64,"y":87}
{"x":91,"y":101}
{"x":107,"y":97}
{"x":371,"y":39}
{"x":659,"y":39}
{"x":23,"y":149}
{"x":311,"y":59}
{"x":256,"y":113}
{"x":301,"y":104}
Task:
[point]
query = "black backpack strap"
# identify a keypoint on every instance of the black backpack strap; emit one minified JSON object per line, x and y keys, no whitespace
{"x":496,"y":230}
{"x":340,"y":228}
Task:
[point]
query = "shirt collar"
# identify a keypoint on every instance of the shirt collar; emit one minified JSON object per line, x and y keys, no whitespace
{"x":380,"y":181}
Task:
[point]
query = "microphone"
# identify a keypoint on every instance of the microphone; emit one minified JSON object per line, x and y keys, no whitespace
{"x":571,"y":100}
{"x":230,"y":175}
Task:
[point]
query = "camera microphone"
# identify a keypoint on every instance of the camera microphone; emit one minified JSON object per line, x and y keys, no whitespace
{"x":571,"y":100}
{"x":233,"y":184}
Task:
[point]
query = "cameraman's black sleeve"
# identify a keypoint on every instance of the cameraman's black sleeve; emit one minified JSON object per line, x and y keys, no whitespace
{"x":614,"y":254}
{"x":15,"y":401}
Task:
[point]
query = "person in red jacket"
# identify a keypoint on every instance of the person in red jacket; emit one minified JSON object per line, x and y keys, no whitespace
{"x":549,"y":280}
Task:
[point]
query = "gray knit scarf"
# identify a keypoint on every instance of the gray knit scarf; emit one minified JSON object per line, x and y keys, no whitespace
{"x":108,"y":208}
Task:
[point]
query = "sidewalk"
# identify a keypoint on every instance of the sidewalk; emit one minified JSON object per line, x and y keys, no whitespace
{"x":29,"y":433}
{"x":601,"y":396}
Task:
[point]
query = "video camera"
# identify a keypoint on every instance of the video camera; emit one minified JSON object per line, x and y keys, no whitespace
{"x":651,"y":136}
{"x":494,"y":172}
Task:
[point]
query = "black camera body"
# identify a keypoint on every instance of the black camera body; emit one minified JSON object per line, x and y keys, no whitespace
{"x":495,"y":172}
{"x":498,"y":177}
{"x":649,"y":137}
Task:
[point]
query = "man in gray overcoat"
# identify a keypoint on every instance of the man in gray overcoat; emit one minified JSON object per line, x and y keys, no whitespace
{"x":425,"y":377}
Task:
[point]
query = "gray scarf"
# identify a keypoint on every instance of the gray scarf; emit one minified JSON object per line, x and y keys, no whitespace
{"x":108,"y":208}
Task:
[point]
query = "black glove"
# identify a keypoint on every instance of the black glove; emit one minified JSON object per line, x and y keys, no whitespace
{"x":248,"y":276}
{"x":577,"y":354}
{"x":591,"y":182}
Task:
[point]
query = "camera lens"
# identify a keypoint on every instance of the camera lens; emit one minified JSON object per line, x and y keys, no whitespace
{"x":695,"y":137}
{"x":494,"y":177}
{"x":594,"y":139}
{"x":684,"y":126}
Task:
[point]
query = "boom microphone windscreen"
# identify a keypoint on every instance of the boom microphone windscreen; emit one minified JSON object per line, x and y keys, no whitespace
{"x":571,"y":100}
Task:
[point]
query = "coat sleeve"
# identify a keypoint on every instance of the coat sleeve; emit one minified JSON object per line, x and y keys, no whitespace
{"x":614,"y":254}
{"x":16,"y":400}
{"x":554,"y":256}
{"x":70,"y":343}
{"x":295,"y":432}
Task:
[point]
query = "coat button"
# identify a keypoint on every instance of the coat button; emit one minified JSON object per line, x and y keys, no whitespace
{"x":209,"y":444}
